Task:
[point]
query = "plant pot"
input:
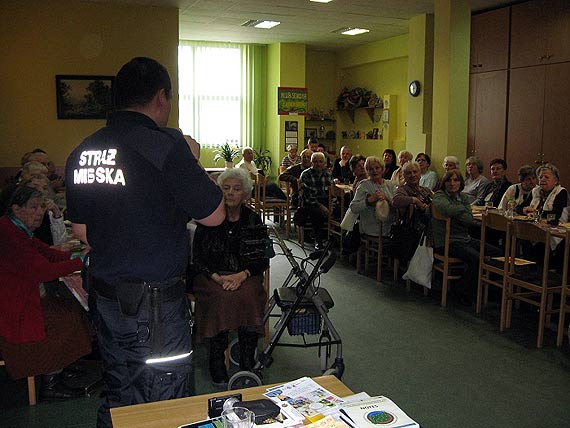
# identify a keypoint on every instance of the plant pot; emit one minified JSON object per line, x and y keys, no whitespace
{"x":229,"y":164}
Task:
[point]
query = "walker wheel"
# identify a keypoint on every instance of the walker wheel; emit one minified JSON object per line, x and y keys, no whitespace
{"x":244,"y":379}
{"x":233,"y":349}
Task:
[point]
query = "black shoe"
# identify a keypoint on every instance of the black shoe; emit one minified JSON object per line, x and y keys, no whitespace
{"x":218,"y":370}
{"x":72,"y":373}
{"x":53,"y":388}
{"x":319,"y":246}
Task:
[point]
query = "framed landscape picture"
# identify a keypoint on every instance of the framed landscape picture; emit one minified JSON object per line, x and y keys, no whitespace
{"x":84,"y":97}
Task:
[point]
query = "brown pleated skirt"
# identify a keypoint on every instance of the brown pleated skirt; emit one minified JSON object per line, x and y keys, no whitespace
{"x":68,"y":338}
{"x":219,"y":310}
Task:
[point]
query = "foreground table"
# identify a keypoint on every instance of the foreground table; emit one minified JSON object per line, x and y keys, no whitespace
{"x":173,"y":413}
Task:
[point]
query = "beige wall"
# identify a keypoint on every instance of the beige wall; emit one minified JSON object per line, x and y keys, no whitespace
{"x":43,"y":38}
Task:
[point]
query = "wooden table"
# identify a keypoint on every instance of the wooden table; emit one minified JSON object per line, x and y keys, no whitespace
{"x":173,"y":413}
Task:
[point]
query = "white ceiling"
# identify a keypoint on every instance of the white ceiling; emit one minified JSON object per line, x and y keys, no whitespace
{"x":302,"y":21}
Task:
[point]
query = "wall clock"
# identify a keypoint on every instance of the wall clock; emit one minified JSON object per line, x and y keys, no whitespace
{"x":414,"y":88}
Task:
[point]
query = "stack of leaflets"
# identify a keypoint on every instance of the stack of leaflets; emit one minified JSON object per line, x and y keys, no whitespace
{"x":375,"y":412}
{"x":304,"y":399}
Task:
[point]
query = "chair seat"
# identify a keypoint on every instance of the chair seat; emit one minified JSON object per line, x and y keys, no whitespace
{"x":286,"y":296}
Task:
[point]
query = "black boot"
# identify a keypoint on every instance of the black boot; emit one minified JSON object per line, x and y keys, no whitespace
{"x":247,"y":337}
{"x":54,"y":389}
{"x":218,"y":370}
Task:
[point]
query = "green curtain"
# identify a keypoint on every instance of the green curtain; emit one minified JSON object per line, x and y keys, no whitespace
{"x":254,"y":63}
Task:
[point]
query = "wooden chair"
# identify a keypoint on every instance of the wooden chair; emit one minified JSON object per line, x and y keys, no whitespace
{"x":370,"y":246}
{"x":536,"y":290}
{"x":487,"y":267}
{"x":564,"y":294}
{"x":443,"y":262}
{"x":336,"y":195}
{"x":31,"y":387}
{"x":288,"y":190}
{"x":266,"y":205}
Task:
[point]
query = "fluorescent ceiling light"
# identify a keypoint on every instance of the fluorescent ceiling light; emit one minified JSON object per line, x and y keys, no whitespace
{"x":267,"y":24}
{"x":354,"y":31}
{"x":321,"y":1}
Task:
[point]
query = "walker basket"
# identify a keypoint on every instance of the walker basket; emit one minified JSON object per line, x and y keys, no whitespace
{"x":305,"y":321}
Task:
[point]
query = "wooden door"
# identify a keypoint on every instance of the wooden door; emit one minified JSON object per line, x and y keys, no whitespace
{"x":490,"y":106}
{"x":529,"y":33}
{"x":525,"y":117}
{"x":558,"y":43}
{"x":490,"y":41}
{"x":555,"y":134}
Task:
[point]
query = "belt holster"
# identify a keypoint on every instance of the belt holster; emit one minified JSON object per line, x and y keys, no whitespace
{"x":130,"y":296}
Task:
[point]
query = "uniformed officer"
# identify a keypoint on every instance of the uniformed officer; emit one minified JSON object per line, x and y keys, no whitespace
{"x":131,"y":188}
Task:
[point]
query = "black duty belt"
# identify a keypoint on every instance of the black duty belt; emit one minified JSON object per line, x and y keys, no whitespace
{"x":169,"y":289}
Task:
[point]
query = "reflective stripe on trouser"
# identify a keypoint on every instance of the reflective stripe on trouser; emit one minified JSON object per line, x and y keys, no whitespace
{"x":124,"y":344}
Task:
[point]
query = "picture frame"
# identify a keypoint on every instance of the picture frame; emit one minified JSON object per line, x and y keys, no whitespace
{"x":84,"y":96}
{"x":311,"y":132}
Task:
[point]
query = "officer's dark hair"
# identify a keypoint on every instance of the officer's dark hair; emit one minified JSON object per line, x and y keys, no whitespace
{"x":21,"y":196}
{"x":138,"y":81}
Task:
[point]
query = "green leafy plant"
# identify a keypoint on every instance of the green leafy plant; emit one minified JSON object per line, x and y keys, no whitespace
{"x":262,"y":160}
{"x":226,"y":153}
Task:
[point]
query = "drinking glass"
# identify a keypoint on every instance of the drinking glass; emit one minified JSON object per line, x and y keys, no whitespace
{"x":551,"y":219}
{"x":237,"y":417}
{"x":537,"y":216}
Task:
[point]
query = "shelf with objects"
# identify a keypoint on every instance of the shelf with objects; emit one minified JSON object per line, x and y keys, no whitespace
{"x":350,"y":101}
{"x":322,"y":126}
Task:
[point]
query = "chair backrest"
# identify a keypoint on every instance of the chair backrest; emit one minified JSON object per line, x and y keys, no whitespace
{"x":437,"y":215}
{"x":534,"y":233}
{"x":336,"y":193}
{"x":495,"y":221}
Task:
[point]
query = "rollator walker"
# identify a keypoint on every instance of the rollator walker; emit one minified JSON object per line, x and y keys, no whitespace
{"x":304,"y":307}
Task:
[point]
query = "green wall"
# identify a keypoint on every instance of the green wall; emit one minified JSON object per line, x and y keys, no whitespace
{"x":43,"y":38}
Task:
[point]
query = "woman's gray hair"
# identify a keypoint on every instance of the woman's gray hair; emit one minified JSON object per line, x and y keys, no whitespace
{"x":22,"y":195}
{"x":476,"y":161}
{"x":451,"y":159}
{"x":239,"y":174}
{"x":549,"y":167}
{"x":408,"y":166}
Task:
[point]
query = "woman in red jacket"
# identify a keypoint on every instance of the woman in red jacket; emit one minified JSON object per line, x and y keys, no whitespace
{"x":38,"y":335}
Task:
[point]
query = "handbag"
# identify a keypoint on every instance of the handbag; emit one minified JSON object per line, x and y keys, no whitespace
{"x":348,"y":220}
{"x":404,"y":238}
{"x":421,"y":265}
{"x":351,"y":240}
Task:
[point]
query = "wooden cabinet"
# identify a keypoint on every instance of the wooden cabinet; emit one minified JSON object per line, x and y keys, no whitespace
{"x":540,"y":33}
{"x":538,"y":119}
{"x":487,"y":115}
{"x":490,"y":41}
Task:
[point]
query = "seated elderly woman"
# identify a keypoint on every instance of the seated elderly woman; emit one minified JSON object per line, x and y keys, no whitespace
{"x":520,"y":194}
{"x":291,"y":158}
{"x":358,"y":170}
{"x":429,"y":177}
{"x":412,"y":202}
{"x":341,"y":172}
{"x":450,"y":202}
{"x":474,"y":178}
{"x":549,"y":197}
{"x":52,"y":230}
{"x":229,"y":288}
{"x":370,"y":192}
{"x":496,"y":188}
{"x":398,"y":175}
{"x":39,"y":335}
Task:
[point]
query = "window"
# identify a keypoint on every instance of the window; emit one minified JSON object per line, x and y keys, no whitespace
{"x":216,"y":102}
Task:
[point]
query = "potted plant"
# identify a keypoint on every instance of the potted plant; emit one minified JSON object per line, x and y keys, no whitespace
{"x":227,"y":153}
{"x":262,"y":160}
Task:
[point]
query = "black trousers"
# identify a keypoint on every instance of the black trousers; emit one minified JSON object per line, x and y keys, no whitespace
{"x":124,"y":343}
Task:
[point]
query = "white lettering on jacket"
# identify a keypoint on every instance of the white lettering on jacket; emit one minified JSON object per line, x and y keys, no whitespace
{"x":95,"y":167}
